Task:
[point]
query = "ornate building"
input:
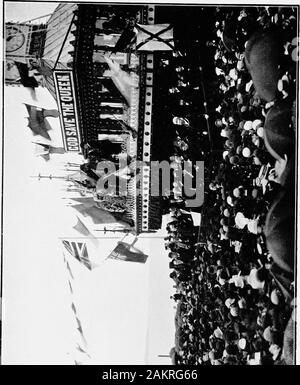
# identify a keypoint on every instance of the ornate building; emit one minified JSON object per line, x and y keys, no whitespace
{"x":81,"y":70}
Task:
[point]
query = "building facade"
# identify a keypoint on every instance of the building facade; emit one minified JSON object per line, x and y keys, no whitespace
{"x":82,"y":71}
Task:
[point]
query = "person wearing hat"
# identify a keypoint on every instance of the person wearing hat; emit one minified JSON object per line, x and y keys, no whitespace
{"x":279,"y":232}
{"x":262,"y":60}
{"x":279,"y":134}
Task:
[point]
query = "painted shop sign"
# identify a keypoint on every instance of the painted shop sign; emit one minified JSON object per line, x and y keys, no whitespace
{"x":64,"y":86}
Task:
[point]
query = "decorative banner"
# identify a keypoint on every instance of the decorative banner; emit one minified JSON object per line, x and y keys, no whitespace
{"x":155,"y":37}
{"x":89,"y":208}
{"x":64,"y":86}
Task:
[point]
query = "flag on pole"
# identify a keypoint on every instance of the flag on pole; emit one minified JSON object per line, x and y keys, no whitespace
{"x":26,"y":79}
{"x":81,"y":177}
{"x":82,"y":229}
{"x":125,"y":40}
{"x":89,"y":209}
{"x":79,"y":251}
{"x":148,"y":37}
{"x":37,"y":120}
{"x":85,"y":247}
{"x":154,"y":37}
{"x":44,"y":150}
{"x":125,"y":252}
{"x":41,"y":150}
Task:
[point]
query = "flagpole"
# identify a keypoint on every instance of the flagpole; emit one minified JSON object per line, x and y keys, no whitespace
{"x":153,"y":237}
{"x":128,"y":231}
{"x":39,"y":177}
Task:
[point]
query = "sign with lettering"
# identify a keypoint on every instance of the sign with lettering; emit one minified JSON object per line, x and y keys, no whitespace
{"x":64,"y":86}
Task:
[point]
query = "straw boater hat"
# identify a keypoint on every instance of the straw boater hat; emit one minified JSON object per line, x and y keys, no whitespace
{"x":262,"y":59}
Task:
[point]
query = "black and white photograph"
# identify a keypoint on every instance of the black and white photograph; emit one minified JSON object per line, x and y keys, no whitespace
{"x":149,"y":191}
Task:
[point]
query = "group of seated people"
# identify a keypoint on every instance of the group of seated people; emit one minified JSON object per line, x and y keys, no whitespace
{"x":234,"y":278}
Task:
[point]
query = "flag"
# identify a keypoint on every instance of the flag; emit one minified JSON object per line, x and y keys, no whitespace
{"x":50,"y":113}
{"x":73,"y":308}
{"x":124,"y":252}
{"x":82,"y":229}
{"x":81,"y":177}
{"x":122,"y":80}
{"x":93,"y":243}
{"x":44,"y":150}
{"x":154,"y":37}
{"x":79,"y":251}
{"x":84,"y":200}
{"x":37,"y":122}
{"x":41,"y":150}
{"x":125,"y":40}
{"x":26,"y":80}
{"x":97,"y":215}
{"x":81,"y":350}
{"x":88,"y":208}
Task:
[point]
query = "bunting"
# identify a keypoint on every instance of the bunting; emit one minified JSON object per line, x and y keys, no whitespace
{"x":80,"y":353}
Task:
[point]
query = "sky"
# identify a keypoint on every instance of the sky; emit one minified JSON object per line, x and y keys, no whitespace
{"x":119,"y":304}
{"x":125,"y":309}
{"x":24,"y":11}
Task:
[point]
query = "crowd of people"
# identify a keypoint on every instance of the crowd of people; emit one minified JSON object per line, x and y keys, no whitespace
{"x":234,"y":277}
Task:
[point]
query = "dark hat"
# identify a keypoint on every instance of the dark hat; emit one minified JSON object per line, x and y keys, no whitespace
{"x":224,"y":221}
{"x":262,"y":60}
{"x":257,"y":344}
{"x":278,"y":129}
{"x":230,"y":336}
{"x":279,"y":232}
{"x":232,"y":349}
{"x":234,"y":159}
